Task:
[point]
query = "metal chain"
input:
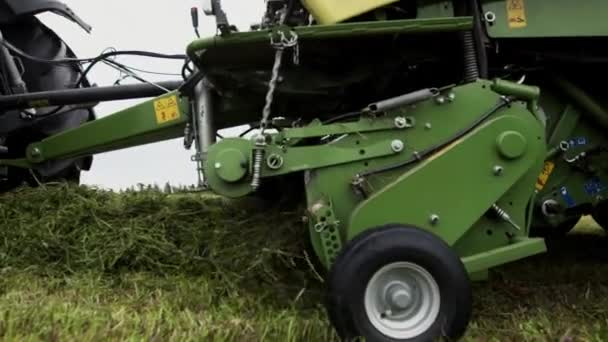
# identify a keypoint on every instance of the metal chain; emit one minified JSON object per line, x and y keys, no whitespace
{"x":271,"y":88}
{"x":280,"y":47}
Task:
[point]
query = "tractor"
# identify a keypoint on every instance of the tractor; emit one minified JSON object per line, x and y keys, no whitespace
{"x":429,"y":141}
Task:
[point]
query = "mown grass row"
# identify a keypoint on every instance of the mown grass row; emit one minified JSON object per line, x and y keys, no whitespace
{"x":88,"y":265}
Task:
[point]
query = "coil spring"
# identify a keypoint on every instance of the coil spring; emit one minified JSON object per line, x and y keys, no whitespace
{"x":257,"y":168}
{"x":471,"y":69}
{"x":501,"y":213}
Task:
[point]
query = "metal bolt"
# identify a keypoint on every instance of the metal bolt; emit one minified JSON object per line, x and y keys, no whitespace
{"x":400,"y":122}
{"x":440,"y":100}
{"x":274,"y":161}
{"x":452,"y":97}
{"x":498,"y":170}
{"x":434,"y":219}
{"x":490,"y":17}
{"x":218,"y":166}
{"x":400,"y":297}
{"x":550,"y":208}
{"x":386,"y":314}
{"x":428,"y":125}
{"x":397,"y":146}
{"x":36,"y":152}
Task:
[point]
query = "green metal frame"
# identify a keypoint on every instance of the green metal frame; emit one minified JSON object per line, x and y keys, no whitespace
{"x":544,"y":19}
{"x":342,"y":204}
{"x":139,"y":125}
{"x":199,"y":49}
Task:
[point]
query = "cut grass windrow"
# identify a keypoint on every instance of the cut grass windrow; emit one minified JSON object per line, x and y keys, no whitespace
{"x":89,"y":265}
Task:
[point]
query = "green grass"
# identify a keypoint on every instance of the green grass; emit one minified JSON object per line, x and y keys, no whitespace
{"x":84,"y":265}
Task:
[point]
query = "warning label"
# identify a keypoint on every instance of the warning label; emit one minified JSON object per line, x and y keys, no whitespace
{"x":166,"y":109}
{"x":516,"y":13}
{"x":544,"y":176}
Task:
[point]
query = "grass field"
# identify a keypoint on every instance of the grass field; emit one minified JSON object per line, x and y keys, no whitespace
{"x":84,"y":265}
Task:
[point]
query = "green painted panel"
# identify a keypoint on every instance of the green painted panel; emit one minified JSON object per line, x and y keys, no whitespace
{"x":365,"y":124}
{"x":196,"y":49}
{"x":489,"y":232}
{"x":434,"y":9}
{"x":152,"y":121}
{"x":457,"y":184}
{"x":491,"y":258}
{"x":436,"y":121}
{"x":316,"y":157}
{"x":546,"y":18}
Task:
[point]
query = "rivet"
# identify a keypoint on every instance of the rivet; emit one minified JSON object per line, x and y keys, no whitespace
{"x":36,"y":152}
{"x":498,"y":170}
{"x":218,"y":165}
{"x":490,"y":17}
{"x":397,"y":146}
{"x":400,"y":122}
{"x":434,"y":219}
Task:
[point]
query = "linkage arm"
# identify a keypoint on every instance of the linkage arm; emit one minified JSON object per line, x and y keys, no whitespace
{"x":159,"y":119}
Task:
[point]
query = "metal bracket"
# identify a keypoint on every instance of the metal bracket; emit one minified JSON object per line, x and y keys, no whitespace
{"x":326,"y":226}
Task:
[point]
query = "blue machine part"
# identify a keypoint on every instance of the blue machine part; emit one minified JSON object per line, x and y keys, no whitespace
{"x":594,"y":186}
{"x":567,"y":198}
{"x":578,"y":141}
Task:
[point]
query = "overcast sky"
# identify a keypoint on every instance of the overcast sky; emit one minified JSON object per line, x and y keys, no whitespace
{"x":160,"y":26}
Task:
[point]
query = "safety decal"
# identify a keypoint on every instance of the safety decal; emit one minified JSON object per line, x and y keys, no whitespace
{"x":544,"y":176}
{"x":594,"y":186}
{"x":166,"y":109}
{"x":516,"y":12}
{"x":567,"y":198}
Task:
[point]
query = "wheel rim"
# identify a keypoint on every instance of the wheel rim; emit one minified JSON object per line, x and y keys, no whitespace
{"x":402,"y":300}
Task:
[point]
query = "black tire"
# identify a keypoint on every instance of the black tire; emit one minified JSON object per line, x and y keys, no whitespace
{"x":34,"y":38}
{"x":365,"y":255}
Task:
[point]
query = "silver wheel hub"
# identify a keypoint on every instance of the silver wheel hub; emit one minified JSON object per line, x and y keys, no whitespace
{"x":402,"y":300}
{"x":399,"y":296}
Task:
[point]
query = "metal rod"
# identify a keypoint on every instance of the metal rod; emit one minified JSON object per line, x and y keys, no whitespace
{"x":204,"y":115}
{"x":84,"y":95}
{"x":590,"y":107}
{"x":403,"y":100}
{"x":205,"y":133}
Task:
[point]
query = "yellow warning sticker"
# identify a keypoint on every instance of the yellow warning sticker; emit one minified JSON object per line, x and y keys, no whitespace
{"x":544,"y":176}
{"x":516,"y":13}
{"x":166,"y":109}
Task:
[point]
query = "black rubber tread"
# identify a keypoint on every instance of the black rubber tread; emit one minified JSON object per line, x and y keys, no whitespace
{"x":377,"y":247}
{"x":33,"y":37}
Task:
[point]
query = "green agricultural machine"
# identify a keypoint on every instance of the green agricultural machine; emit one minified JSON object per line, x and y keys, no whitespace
{"x":430,"y":140}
